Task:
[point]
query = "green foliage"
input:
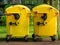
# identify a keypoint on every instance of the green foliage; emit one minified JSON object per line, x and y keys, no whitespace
{"x":26,"y":2}
{"x":6,"y":6}
{"x":3,"y":19}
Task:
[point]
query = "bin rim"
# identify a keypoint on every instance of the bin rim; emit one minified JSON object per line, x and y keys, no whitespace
{"x":10,"y":13}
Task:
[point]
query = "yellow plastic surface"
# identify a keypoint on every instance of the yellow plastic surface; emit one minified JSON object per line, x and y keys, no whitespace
{"x":22,"y":27}
{"x":50,"y":27}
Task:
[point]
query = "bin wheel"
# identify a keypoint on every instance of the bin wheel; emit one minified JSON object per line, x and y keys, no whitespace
{"x":26,"y":38}
{"x":35,"y":37}
{"x":53,"y":38}
{"x":8,"y":37}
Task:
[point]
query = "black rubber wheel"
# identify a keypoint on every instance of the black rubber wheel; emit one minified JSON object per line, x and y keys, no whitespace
{"x":35,"y":38}
{"x":8,"y":37}
{"x":32,"y":35}
{"x":26,"y":38}
{"x":53,"y":38}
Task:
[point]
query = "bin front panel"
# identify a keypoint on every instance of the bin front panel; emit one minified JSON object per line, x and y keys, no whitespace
{"x":22,"y":27}
{"x":45,"y":25}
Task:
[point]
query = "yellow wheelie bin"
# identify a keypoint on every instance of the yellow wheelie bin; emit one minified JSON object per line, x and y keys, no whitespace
{"x":45,"y":21}
{"x":17,"y":21}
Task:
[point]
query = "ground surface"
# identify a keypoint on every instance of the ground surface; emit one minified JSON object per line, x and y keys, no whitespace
{"x":30,"y":43}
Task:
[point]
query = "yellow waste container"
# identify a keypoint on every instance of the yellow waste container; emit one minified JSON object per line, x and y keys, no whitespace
{"x":45,"y":21}
{"x":17,"y":21}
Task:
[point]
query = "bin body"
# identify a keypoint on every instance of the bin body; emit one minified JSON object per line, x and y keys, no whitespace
{"x":17,"y":20}
{"x":45,"y":20}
